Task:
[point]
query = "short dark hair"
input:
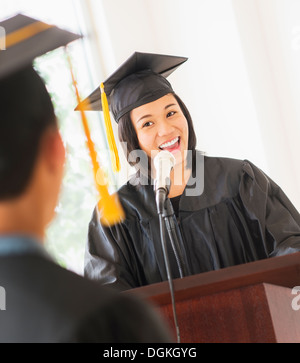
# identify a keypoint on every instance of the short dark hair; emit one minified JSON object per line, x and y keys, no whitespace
{"x":26,"y":111}
{"x":128,"y":135}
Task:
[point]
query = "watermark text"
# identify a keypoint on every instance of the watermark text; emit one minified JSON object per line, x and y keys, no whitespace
{"x":2,"y":298}
{"x":296,"y":300}
{"x":141,"y":162}
{"x":2,"y":38}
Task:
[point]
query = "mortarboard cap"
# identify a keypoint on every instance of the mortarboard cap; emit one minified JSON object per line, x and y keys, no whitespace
{"x":139,"y":80}
{"x":25,"y":39}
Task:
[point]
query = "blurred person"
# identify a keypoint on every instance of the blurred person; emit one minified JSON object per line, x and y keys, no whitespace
{"x":45,"y":302}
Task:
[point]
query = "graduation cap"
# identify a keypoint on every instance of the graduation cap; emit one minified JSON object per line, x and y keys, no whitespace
{"x":22,"y":39}
{"x":25,"y":39}
{"x":139,"y":80}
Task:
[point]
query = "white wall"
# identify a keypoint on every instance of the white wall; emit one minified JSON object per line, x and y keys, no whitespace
{"x":267,"y":45}
{"x":239,"y":82}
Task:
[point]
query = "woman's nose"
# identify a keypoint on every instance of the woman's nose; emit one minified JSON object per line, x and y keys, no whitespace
{"x":164,"y":128}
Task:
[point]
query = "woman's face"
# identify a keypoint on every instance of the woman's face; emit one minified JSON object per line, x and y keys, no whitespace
{"x":161,"y":125}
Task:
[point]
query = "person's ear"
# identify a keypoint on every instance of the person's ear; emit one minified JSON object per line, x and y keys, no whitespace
{"x":50,"y":171}
{"x":54,"y":150}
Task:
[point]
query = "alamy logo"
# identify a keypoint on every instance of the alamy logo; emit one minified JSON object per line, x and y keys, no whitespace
{"x":2,"y":298}
{"x":2,"y":38}
{"x":296,"y":299}
{"x":141,"y":161}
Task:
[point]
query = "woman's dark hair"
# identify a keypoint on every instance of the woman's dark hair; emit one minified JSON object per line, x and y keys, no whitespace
{"x":26,"y":111}
{"x":128,"y":135}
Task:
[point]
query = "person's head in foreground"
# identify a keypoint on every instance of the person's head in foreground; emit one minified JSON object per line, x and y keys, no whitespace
{"x":45,"y":302}
{"x":31,"y":154}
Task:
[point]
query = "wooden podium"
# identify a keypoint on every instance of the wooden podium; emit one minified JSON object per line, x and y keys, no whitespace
{"x":249,"y":303}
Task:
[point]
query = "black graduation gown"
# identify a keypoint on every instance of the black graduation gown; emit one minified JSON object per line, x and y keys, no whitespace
{"x":45,"y":303}
{"x":241,"y":216}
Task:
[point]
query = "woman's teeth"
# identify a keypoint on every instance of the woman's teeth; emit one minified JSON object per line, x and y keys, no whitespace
{"x":168,"y":144}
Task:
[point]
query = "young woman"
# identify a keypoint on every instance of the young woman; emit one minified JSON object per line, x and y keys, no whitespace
{"x":227,"y":211}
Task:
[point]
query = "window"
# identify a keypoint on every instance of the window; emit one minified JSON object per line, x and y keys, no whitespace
{"x":66,"y":236}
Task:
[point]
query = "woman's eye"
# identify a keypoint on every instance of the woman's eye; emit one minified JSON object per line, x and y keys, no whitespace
{"x":147,"y":124}
{"x":171,"y":113}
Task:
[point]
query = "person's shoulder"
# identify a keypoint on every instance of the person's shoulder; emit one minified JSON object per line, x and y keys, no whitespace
{"x":231,"y":166}
{"x":225,"y":175}
{"x":92,"y":312}
{"x":58,"y":302}
{"x":68,"y":285}
{"x":119,"y":317}
{"x":223,"y":168}
{"x":84,"y":293}
{"x":224,"y":163}
{"x":236,"y":171}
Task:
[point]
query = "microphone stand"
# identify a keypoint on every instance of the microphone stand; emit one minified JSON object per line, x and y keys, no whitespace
{"x":163,"y":240}
{"x":175,"y":237}
{"x":165,"y":209}
{"x":166,"y":214}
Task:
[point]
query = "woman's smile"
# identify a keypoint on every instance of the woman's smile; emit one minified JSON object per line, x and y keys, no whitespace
{"x":172,"y":145}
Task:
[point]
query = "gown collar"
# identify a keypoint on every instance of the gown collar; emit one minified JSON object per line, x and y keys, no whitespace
{"x":14,"y":244}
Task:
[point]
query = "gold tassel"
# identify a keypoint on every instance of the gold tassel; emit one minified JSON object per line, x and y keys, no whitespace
{"x":25,"y":33}
{"x":109,"y":132}
{"x":109,"y":206}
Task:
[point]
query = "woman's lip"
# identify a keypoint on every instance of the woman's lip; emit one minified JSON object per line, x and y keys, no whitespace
{"x":174,"y":147}
{"x":171,"y":146}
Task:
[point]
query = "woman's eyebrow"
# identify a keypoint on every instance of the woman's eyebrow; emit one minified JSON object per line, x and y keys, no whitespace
{"x":140,"y":119}
{"x":170,"y":105}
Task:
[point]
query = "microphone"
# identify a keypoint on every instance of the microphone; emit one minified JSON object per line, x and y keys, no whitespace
{"x":164,"y":162}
